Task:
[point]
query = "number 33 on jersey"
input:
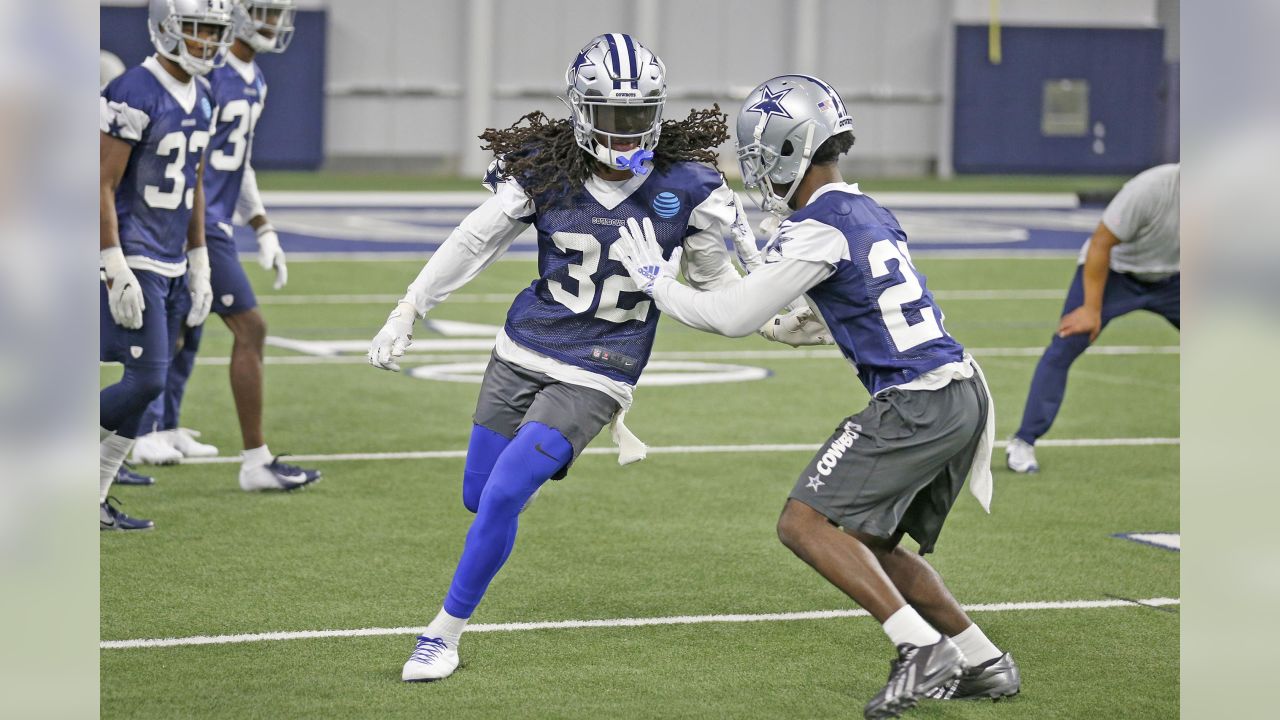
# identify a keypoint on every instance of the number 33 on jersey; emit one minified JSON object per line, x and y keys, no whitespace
{"x":880,"y":312}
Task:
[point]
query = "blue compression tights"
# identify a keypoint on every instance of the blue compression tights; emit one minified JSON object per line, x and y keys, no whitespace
{"x":535,"y":454}
{"x":120,"y":406}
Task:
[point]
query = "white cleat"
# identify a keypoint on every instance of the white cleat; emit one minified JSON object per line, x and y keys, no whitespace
{"x":276,"y":476}
{"x":432,"y":659}
{"x":1021,"y":456}
{"x":184,"y":440}
{"x":156,"y":449}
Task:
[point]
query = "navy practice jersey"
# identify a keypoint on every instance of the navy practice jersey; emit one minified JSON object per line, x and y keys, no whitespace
{"x":239,"y":102}
{"x":168,"y":135}
{"x":584,"y":309}
{"x":881,"y":314}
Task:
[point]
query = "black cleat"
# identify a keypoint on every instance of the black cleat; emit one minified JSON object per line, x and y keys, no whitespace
{"x":110,"y":518}
{"x":126,"y":476}
{"x":916,"y":672}
{"x":999,"y":678}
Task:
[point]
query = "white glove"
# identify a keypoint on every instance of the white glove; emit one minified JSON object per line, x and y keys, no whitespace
{"x":198,"y":285}
{"x":271,"y":256}
{"x":641,"y":255}
{"x":124,"y":294}
{"x":797,"y":328}
{"x":393,"y":339}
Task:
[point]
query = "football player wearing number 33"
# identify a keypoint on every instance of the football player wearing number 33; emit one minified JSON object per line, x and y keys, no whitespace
{"x":896,"y":467}
{"x":576,"y":340}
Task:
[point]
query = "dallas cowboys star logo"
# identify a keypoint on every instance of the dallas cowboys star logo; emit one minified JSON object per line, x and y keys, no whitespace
{"x":580,"y":62}
{"x":814,"y":483}
{"x":771,"y":103}
{"x":115,"y":127}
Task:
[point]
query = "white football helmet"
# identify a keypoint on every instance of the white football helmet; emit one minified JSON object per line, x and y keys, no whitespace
{"x":617,"y":88}
{"x":782,"y":123}
{"x":205,"y":23}
{"x":266,"y":25}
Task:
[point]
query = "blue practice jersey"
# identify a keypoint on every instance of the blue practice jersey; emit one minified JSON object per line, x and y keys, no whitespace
{"x":584,"y":309}
{"x":239,"y":102}
{"x":881,"y":314}
{"x":167,"y":124}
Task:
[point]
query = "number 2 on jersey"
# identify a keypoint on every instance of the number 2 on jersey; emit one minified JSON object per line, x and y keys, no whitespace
{"x":905,"y":335}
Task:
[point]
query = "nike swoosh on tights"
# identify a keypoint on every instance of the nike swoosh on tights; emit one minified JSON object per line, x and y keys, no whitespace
{"x":538,"y":447}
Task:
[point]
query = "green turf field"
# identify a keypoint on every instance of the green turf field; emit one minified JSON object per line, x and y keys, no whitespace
{"x":374,"y":544}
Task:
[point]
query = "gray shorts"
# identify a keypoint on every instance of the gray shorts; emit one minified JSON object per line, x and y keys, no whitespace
{"x":898,"y":466}
{"x":511,"y":396}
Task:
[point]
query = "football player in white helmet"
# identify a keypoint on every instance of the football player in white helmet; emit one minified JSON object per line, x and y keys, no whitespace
{"x":576,"y":340}
{"x":897,"y":467}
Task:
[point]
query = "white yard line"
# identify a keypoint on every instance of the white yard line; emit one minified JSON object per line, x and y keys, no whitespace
{"x":506,"y":298}
{"x":771,"y":355}
{"x":614,"y":622}
{"x":672,"y":450}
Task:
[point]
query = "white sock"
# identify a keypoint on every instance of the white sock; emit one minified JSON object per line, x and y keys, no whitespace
{"x":906,"y":626}
{"x":976,"y":647}
{"x":446,"y":627}
{"x":111,"y":454}
{"x":256,"y":457}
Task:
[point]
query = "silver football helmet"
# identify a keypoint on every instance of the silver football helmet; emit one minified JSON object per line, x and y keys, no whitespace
{"x":204,"y":23}
{"x":266,"y":25}
{"x":782,"y":123}
{"x":617,"y":88}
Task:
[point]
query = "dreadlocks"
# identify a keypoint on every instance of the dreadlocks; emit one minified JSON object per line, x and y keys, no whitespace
{"x":543,"y":155}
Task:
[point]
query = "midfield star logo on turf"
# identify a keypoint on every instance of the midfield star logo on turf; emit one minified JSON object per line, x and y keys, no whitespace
{"x":837,"y":448}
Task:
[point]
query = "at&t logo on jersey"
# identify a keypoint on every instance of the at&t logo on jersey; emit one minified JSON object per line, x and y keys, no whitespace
{"x":666,"y":205}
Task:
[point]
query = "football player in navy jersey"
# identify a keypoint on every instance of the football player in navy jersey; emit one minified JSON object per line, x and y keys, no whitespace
{"x":576,"y":340}
{"x":897,"y":467}
{"x":155,"y":121}
{"x":239,"y":91}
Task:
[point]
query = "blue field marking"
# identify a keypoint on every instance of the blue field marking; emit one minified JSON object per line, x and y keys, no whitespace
{"x":368,"y":225}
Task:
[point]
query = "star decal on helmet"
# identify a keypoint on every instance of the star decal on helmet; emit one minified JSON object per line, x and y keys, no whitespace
{"x":581,"y":61}
{"x":771,"y":103}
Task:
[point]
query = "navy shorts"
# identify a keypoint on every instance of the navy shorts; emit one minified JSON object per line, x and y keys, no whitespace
{"x":163,"y":319}
{"x":232,"y":293}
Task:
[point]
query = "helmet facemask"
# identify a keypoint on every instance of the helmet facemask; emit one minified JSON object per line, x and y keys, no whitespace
{"x":209,"y":32}
{"x":265,"y":25}
{"x":760,"y":165}
{"x":614,"y":132}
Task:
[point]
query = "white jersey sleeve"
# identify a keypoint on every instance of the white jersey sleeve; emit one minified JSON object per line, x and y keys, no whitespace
{"x":740,"y":307}
{"x":706,"y":262}
{"x":481,"y":238}
{"x":807,"y":240}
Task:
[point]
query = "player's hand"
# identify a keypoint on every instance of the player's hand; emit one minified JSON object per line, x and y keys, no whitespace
{"x":1081,"y":321}
{"x":271,"y":256}
{"x":796,"y":328}
{"x":393,"y":339}
{"x":124,"y":294}
{"x":198,"y":285}
{"x":641,"y":255}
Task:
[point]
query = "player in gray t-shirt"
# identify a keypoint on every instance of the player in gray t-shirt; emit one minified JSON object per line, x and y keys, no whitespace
{"x":1130,"y":263}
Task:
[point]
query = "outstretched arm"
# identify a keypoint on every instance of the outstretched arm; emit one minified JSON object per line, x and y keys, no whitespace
{"x":1087,"y":319}
{"x":481,"y":238}
{"x":737,"y":308}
